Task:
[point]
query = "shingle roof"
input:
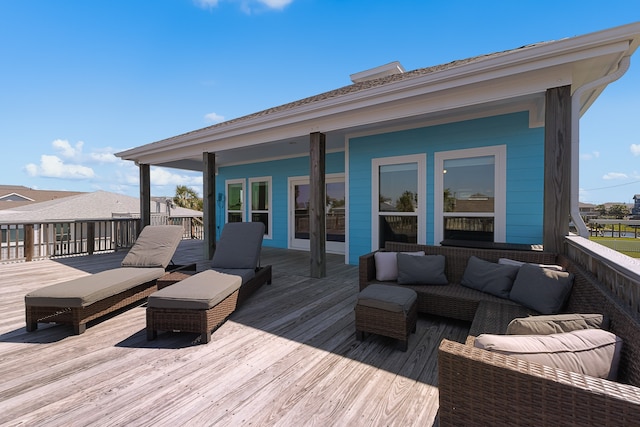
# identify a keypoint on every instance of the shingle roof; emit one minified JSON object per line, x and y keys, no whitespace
{"x":358,"y":87}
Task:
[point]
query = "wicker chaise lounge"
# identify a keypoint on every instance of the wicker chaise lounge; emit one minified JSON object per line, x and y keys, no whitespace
{"x":202,"y":302}
{"x":81,"y":300}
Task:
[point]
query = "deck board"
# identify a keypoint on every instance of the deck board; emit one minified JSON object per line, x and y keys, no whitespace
{"x":288,"y":356}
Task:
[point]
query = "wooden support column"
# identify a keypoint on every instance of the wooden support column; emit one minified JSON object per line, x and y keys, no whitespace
{"x":145,"y":196}
{"x":557,"y":168}
{"x":317,"y":206}
{"x":209,"y":203}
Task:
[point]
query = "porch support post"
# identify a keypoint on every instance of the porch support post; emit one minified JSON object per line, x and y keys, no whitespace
{"x":317,"y":205}
{"x":209,"y":203}
{"x":557,"y":168}
{"x":145,"y":195}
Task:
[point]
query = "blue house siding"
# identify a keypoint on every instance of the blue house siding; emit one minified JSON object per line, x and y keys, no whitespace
{"x":279,"y":171}
{"x":525,"y":167}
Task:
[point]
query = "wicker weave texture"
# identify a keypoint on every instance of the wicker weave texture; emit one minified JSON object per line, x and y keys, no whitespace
{"x":78,"y":317}
{"x":396,"y":325}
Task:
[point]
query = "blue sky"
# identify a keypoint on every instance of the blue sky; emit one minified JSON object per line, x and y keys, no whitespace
{"x":81,"y":80}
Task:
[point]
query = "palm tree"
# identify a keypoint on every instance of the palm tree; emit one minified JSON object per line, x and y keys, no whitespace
{"x":187,"y":198}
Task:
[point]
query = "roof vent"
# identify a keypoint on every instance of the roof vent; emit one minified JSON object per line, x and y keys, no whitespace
{"x":374,"y":73}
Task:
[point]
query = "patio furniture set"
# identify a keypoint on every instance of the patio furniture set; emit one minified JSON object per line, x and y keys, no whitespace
{"x":199,"y":303}
{"x":500,"y":376}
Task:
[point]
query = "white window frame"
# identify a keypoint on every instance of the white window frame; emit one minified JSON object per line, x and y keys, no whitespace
{"x":269,"y":211}
{"x":421,"y":160}
{"x":499,"y":152}
{"x":242,"y":199}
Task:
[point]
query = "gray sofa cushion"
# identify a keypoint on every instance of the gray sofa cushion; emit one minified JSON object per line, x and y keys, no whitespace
{"x":421,"y":270}
{"x":154,"y":247}
{"x":201,"y":291}
{"x":490,"y":277}
{"x":388,"y":298}
{"x":387,"y":264}
{"x":541,"y":289}
{"x":555,"y":323}
{"x":88,"y":289}
{"x":239,"y":245}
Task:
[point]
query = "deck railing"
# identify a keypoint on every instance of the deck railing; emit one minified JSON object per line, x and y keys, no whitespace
{"x":34,"y":241}
{"x":619,"y":272}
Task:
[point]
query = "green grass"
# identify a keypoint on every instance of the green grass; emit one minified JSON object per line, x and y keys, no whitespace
{"x":627,"y":246}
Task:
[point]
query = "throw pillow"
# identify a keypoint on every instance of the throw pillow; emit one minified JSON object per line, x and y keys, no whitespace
{"x":508,"y":261}
{"x":489,"y":277}
{"x":541,"y":289}
{"x":421,"y":270}
{"x":593,"y":352}
{"x":387,"y":265}
{"x":553,"y":324}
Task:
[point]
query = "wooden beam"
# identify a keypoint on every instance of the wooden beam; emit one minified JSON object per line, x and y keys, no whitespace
{"x":145,"y":195}
{"x":209,"y":203}
{"x":317,"y":205}
{"x":557,"y":168}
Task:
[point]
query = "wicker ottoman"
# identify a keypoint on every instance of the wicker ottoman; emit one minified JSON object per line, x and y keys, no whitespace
{"x":386,"y":310}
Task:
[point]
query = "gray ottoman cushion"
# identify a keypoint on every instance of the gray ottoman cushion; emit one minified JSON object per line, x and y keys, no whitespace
{"x":199,"y":292}
{"x":89,"y":289}
{"x":388,"y":298}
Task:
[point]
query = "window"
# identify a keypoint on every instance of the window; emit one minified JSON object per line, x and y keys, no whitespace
{"x":398,"y":200}
{"x":260,"y":202}
{"x":470,"y":188}
{"x":235,"y":204}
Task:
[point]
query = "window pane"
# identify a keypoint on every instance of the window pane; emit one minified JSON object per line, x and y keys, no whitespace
{"x":234,"y":197}
{"x":398,"y":188}
{"x":263,"y":218}
{"x":234,"y":217}
{"x":469,"y":184}
{"x":465,"y":228}
{"x":395,"y":228}
{"x":260,"y":196}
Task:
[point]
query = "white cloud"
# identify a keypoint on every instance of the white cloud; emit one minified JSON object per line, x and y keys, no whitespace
{"x":54,"y":167}
{"x":214,"y":118}
{"x":163,"y":177}
{"x":590,"y":156}
{"x":245,"y":5}
{"x":64,"y":148}
{"x":635,"y":149}
{"x":615,"y":175}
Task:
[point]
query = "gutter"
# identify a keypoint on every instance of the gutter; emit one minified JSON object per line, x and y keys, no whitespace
{"x":623,"y":66}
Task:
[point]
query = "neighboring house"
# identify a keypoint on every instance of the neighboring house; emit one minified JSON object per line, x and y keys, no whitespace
{"x":588,"y":211}
{"x":478,"y":149}
{"x":635,"y":210}
{"x":12,"y":196}
{"x":98,"y":205}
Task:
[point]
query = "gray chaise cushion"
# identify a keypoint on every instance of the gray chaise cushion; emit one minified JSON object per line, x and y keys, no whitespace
{"x":245,"y":273}
{"x":389,"y":298}
{"x":239,"y":245}
{"x":154,"y":247}
{"x":198,"y":292}
{"x":86,"y":290}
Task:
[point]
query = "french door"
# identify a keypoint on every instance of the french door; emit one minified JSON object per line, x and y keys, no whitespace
{"x":299,"y":213}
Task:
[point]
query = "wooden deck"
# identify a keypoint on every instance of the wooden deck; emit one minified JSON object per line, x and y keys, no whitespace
{"x":287,"y":357}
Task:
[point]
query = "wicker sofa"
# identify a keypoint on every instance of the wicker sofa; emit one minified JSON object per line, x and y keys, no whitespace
{"x":478,"y":387}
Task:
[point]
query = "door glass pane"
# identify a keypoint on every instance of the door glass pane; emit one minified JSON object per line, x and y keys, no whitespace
{"x":398,"y":188}
{"x":301,"y":220}
{"x":234,"y":217}
{"x":469,"y":184}
{"x":396,"y":228}
{"x":335,"y":212}
{"x":335,"y":219}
